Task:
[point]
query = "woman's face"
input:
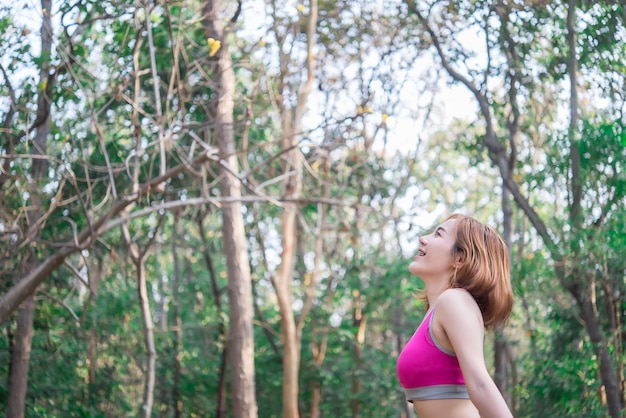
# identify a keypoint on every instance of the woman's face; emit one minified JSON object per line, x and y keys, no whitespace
{"x":434,"y":257}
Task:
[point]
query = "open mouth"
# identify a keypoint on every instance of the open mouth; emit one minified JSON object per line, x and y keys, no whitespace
{"x":421,"y":253}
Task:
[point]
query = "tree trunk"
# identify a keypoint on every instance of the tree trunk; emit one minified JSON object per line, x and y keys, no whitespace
{"x":148,"y":335}
{"x":360,"y":322}
{"x":501,"y":349}
{"x":20,"y":359}
{"x":590,"y":316}
{"x":20,"y":355}
{"x":282,"y":284}
{"x":220,"y":409}
{"x":241,"y":336}
{"x":139,"y":260}
{"x":316,"y":399}
{"x":283,"y":279}
{"x":607,"y":373}
{"x":497,"y":155}
{"x":318,"y":349}
{"x":501,"y":361}
{"x":291,"y":123}
{"x":177,"y":401}
{"x":92,"y":361}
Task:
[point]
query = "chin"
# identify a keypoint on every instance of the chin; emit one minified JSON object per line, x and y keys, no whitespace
{"x":414,"y":268}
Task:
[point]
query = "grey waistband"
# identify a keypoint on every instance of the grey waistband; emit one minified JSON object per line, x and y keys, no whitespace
{"x":436,"y":392}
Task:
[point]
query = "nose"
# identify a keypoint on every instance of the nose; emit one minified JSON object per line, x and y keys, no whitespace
{"x":423,"y":241}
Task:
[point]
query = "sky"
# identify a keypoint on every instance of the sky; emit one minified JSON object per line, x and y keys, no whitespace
{"x":453,"y":101}
{"x":404,"y":130}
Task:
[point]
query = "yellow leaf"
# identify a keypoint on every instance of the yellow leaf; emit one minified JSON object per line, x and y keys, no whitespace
{"x":301,"y":8}
{"x":214,"y":45}
{"x":385,"y":116}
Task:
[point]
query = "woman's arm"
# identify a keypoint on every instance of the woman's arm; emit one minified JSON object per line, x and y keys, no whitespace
{"x":461,"y":320}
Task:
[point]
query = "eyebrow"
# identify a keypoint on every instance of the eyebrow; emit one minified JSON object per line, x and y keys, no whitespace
{"x":441,"y":228}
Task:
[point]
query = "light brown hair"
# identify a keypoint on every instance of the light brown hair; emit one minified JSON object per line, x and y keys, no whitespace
{"x":482,"y":267}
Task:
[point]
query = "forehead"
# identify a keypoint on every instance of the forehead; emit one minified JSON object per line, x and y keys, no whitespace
{"x":448,"y":225}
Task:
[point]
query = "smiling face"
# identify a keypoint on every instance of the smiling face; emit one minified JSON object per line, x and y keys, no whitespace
{"x":434,"y":259}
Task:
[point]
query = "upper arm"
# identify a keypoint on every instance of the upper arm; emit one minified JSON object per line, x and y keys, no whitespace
{"x":462,"y":323}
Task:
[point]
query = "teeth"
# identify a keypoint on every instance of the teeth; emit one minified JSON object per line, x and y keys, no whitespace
{"x":421,"y":253}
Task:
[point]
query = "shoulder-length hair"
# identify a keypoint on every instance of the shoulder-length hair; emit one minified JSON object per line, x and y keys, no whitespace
{"x":482,"y":267}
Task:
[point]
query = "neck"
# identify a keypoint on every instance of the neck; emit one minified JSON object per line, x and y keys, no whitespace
{"x":434,"y":290}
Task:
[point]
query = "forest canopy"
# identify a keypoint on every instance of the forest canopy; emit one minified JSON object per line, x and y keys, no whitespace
{"x":208,"y":208}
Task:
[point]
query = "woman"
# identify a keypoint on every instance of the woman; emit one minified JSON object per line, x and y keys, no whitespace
{"x":465,"y":268}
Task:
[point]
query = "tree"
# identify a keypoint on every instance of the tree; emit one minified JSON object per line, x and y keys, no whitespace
{"x":565,"y":245}
{"x":291,"y":116}
{"x":241,"y":337}
{"x":21,"y":345}
{"x":195,"y":131}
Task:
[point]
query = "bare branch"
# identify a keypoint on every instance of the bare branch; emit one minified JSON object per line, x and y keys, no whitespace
{"x":497,"y":152}
{"x":27,"y":284}
{"x":62,"y":303}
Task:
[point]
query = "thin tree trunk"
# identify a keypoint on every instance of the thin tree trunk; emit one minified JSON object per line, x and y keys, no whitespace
{"x":177,"y":401}
{"x":590,"y":316}
{"x":20,"y":355}
{"x":165,"y":393}
{"x":528,"y":318}
{"x":95,"y":276}
{"x":291,"y":123}
{"x":316,"y":399}
{"x":576,"y":185}
{"x":501,"y":375}
{"x":92,"y":360}
{"x":20,"y":359}
{"x":241,"y":336}
{"x":148,"y":334}
{"x":282,"y":284}
{"x":498,"y":156}
{"x":319,"y":353}
{"x":600,"y":348}
{"x":318,"y":349}
{"x":139,"y":260}
{"x":319,"y":345}
{"x":220,"y":409}
{"x":283,"y":279}
{"x":501,"y":361}
{"x":360,"y":322}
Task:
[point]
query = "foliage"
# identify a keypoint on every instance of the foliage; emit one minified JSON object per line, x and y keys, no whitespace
{"x":366,"y":202}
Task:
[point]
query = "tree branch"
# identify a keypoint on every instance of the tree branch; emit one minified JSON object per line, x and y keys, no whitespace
{"x":497,"y":152}
{"x":27,"y":284}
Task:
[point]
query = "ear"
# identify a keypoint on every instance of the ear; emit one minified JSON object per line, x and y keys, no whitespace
{"x":458,"y":261}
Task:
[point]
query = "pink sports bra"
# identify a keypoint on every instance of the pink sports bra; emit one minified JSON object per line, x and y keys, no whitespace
{"x":426,"y":370}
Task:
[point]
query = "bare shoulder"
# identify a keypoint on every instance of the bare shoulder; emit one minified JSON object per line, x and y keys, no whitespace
{"x":458,"y":304}
{"x":455,"y":297}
